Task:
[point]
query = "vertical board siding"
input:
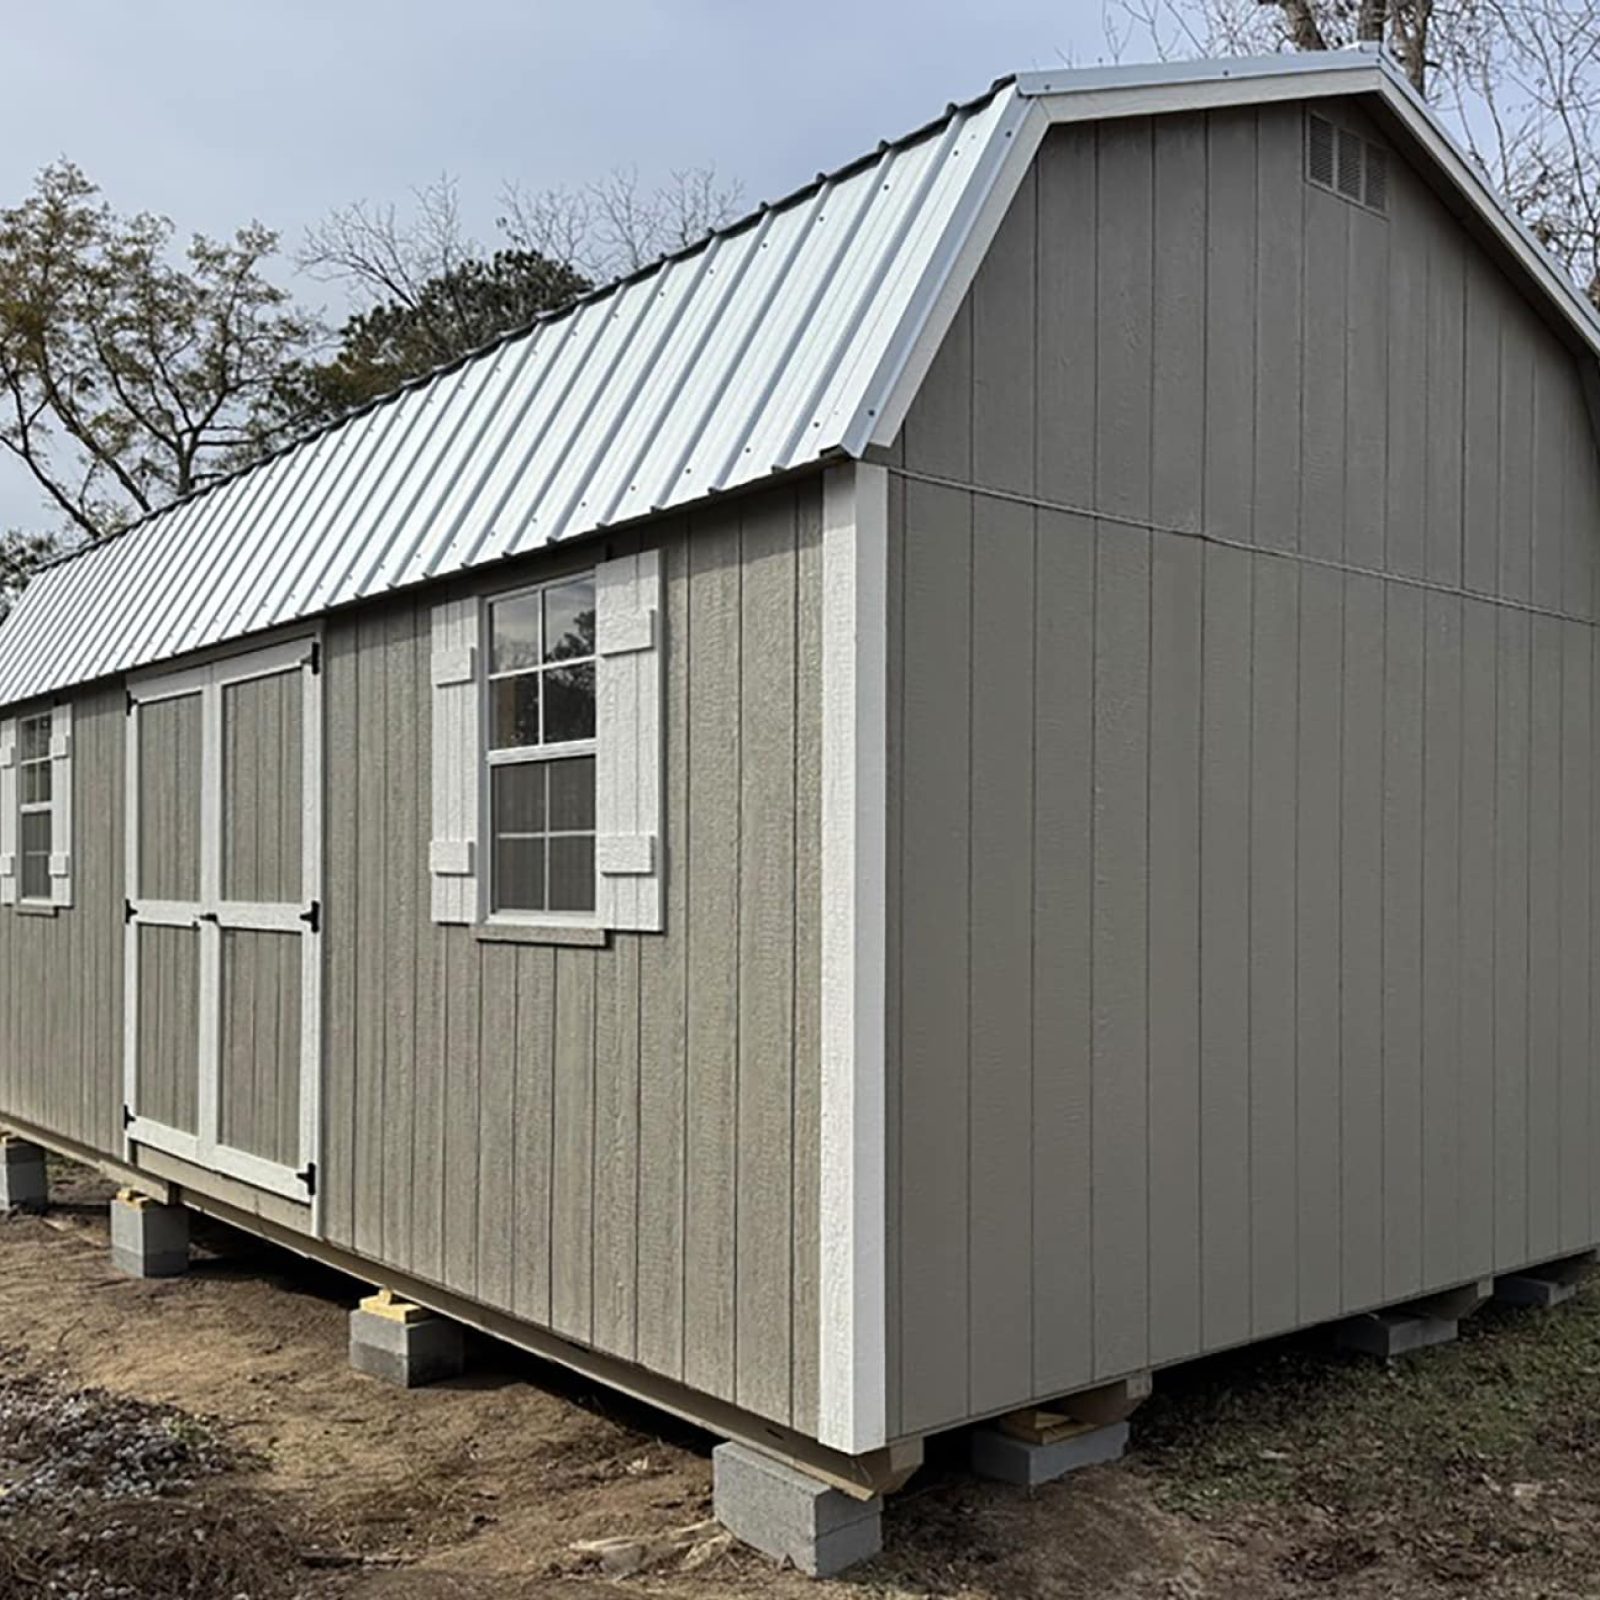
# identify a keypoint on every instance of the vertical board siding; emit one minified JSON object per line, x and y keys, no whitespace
{"x":262,"y":749}
{"x":259,"y":1078}
{"x":1276,"y":1007}
{"x":606,"y":1141}
{"x":169,"y":834}
{"x":168,"y":1083}
{"x":61,"y":974}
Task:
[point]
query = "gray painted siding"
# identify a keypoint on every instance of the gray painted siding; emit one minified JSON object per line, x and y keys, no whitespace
{"x":61,"y":975}
{"x":262,"y":748}
{"x":169,"y":821}
{"x":168,"y":1086}
{"x":259,"y":1082}
{"x":617,"y":1144}
{"x":1242,"y":886}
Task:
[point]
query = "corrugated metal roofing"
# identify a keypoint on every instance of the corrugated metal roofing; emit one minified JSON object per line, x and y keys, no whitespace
{"x":746,"y":356}
{"x":798,"y":334}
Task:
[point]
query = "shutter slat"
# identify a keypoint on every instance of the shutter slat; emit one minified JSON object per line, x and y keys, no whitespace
{"x":452,"y":853}
{"x":61,"y":804}
{"x":8,"y":812}
{"x":628,"y":855}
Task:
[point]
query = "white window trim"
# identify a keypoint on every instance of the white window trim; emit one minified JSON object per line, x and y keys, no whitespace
{"x":526,"y":755}
{"x":630,"y":847}
{"x":59,"y":808}
{"x":34,"y":808}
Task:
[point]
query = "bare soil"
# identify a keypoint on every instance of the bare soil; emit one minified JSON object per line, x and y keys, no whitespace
{"x":226,"y":1450}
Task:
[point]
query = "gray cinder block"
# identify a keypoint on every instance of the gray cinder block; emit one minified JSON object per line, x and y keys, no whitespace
{"x":148,"y":1240}
{"x":790,"y":1516}
{"x":1387,"y":1334}
{"x":404,"y":1344}
{"x":23,"y":1186}
{"x":997,"y":1454}
{"x":1529,"y":1289}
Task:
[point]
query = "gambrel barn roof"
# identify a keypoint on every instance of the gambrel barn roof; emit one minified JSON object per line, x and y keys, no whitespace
{"x":796,"y":335}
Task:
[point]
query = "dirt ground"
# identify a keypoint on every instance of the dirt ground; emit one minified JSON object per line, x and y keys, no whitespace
{"x":1282,"y":1471}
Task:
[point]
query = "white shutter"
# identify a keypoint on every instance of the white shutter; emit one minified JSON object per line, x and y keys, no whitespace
{"x":61,"y":805}
{"x":8,"y":812}
{"x":457,"y":756}
{"x":629,"y":855}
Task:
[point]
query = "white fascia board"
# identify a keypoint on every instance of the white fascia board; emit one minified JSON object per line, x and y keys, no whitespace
{"x":1507,"y":227}
{"x":852,"y":1402}
{"x":888,"y":396}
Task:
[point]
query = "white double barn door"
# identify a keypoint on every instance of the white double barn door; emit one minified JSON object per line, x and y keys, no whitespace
{"x":223,"y":952}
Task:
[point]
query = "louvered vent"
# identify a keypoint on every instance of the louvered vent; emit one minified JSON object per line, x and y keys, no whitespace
{"x":1377,"y":177}
{"x":1345,"y":164}
{"x":1319,"y":151}
{"x":1349,"y":164}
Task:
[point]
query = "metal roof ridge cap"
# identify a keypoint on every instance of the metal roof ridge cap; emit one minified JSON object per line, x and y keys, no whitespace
{"x":1205,"y":69}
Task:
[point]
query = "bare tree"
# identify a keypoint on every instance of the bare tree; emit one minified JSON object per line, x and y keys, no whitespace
{"x":614,"y":225}
{"x":1518,"y":81}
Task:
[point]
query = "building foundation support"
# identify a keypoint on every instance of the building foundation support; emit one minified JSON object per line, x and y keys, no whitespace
{"x":1546,"y":1286}
{"x":1416,"y":1325}
{"x":1001,"y":1454}
{"x":148,"y":1239}
{"x":404,"y":1344}
{"x":23,"y":1185}
{"x":791,"y":1516}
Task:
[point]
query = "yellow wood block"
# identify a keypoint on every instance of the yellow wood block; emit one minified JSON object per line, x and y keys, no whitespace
{"x":384,"y":1304}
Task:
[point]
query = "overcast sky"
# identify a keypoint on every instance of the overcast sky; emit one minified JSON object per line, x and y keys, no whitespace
{"x":283,"y":109}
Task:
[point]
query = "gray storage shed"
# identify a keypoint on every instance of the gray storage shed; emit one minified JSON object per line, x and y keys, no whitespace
{"x":985,"y":782}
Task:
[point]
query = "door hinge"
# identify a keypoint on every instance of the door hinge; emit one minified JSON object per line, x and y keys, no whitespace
{"x":127,"y":1116}
{"x":127,"y":911}
{"x":132,"y":703}
{"x":314,"y":660}
{"x":308,"y":1176}
{"x":207,"y":916}
{"x":312,"y":916}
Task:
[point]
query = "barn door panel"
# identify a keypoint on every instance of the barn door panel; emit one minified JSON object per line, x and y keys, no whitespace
{"x":164,"y":905}
{"x":224,"y":921}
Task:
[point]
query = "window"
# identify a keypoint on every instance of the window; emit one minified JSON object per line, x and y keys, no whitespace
{"x":35,"y":812}
{"x":36,"y":808}
{"x":540,"y":720}
{"x":547,"y":755}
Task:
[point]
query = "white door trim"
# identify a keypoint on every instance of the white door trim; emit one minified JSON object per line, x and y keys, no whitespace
{"x":211,"y":914}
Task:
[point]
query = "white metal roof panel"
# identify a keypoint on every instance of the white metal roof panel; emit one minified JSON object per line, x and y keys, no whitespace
{"x":800,"y":333}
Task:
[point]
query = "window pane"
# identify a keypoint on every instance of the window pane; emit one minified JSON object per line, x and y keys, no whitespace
{"x":35,"y":783}
{"x":519,"y":874}
{"x":515,"y":713}
{"x":569,"y":703}
{"x":571,"y":794}
{"x":514,"y":628}
{"x":36,"y":877}
{"x":519,"y":798}
{"x":572,"y":873}
{"x":35,"y":738}
{"x":569,"y":620}
{"x":35,"y":840}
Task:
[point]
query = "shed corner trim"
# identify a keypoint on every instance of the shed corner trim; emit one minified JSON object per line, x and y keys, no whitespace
{"x":853,"y":1325}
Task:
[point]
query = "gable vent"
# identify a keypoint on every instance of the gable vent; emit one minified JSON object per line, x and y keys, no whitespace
{"x":1377,"y":195}
{"x":1345,"y":164}
{"x":1349,"y":164}
{"x":1319,"y":151}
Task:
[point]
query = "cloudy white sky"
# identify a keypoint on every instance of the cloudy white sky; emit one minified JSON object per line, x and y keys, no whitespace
{"x":283,"y":109}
